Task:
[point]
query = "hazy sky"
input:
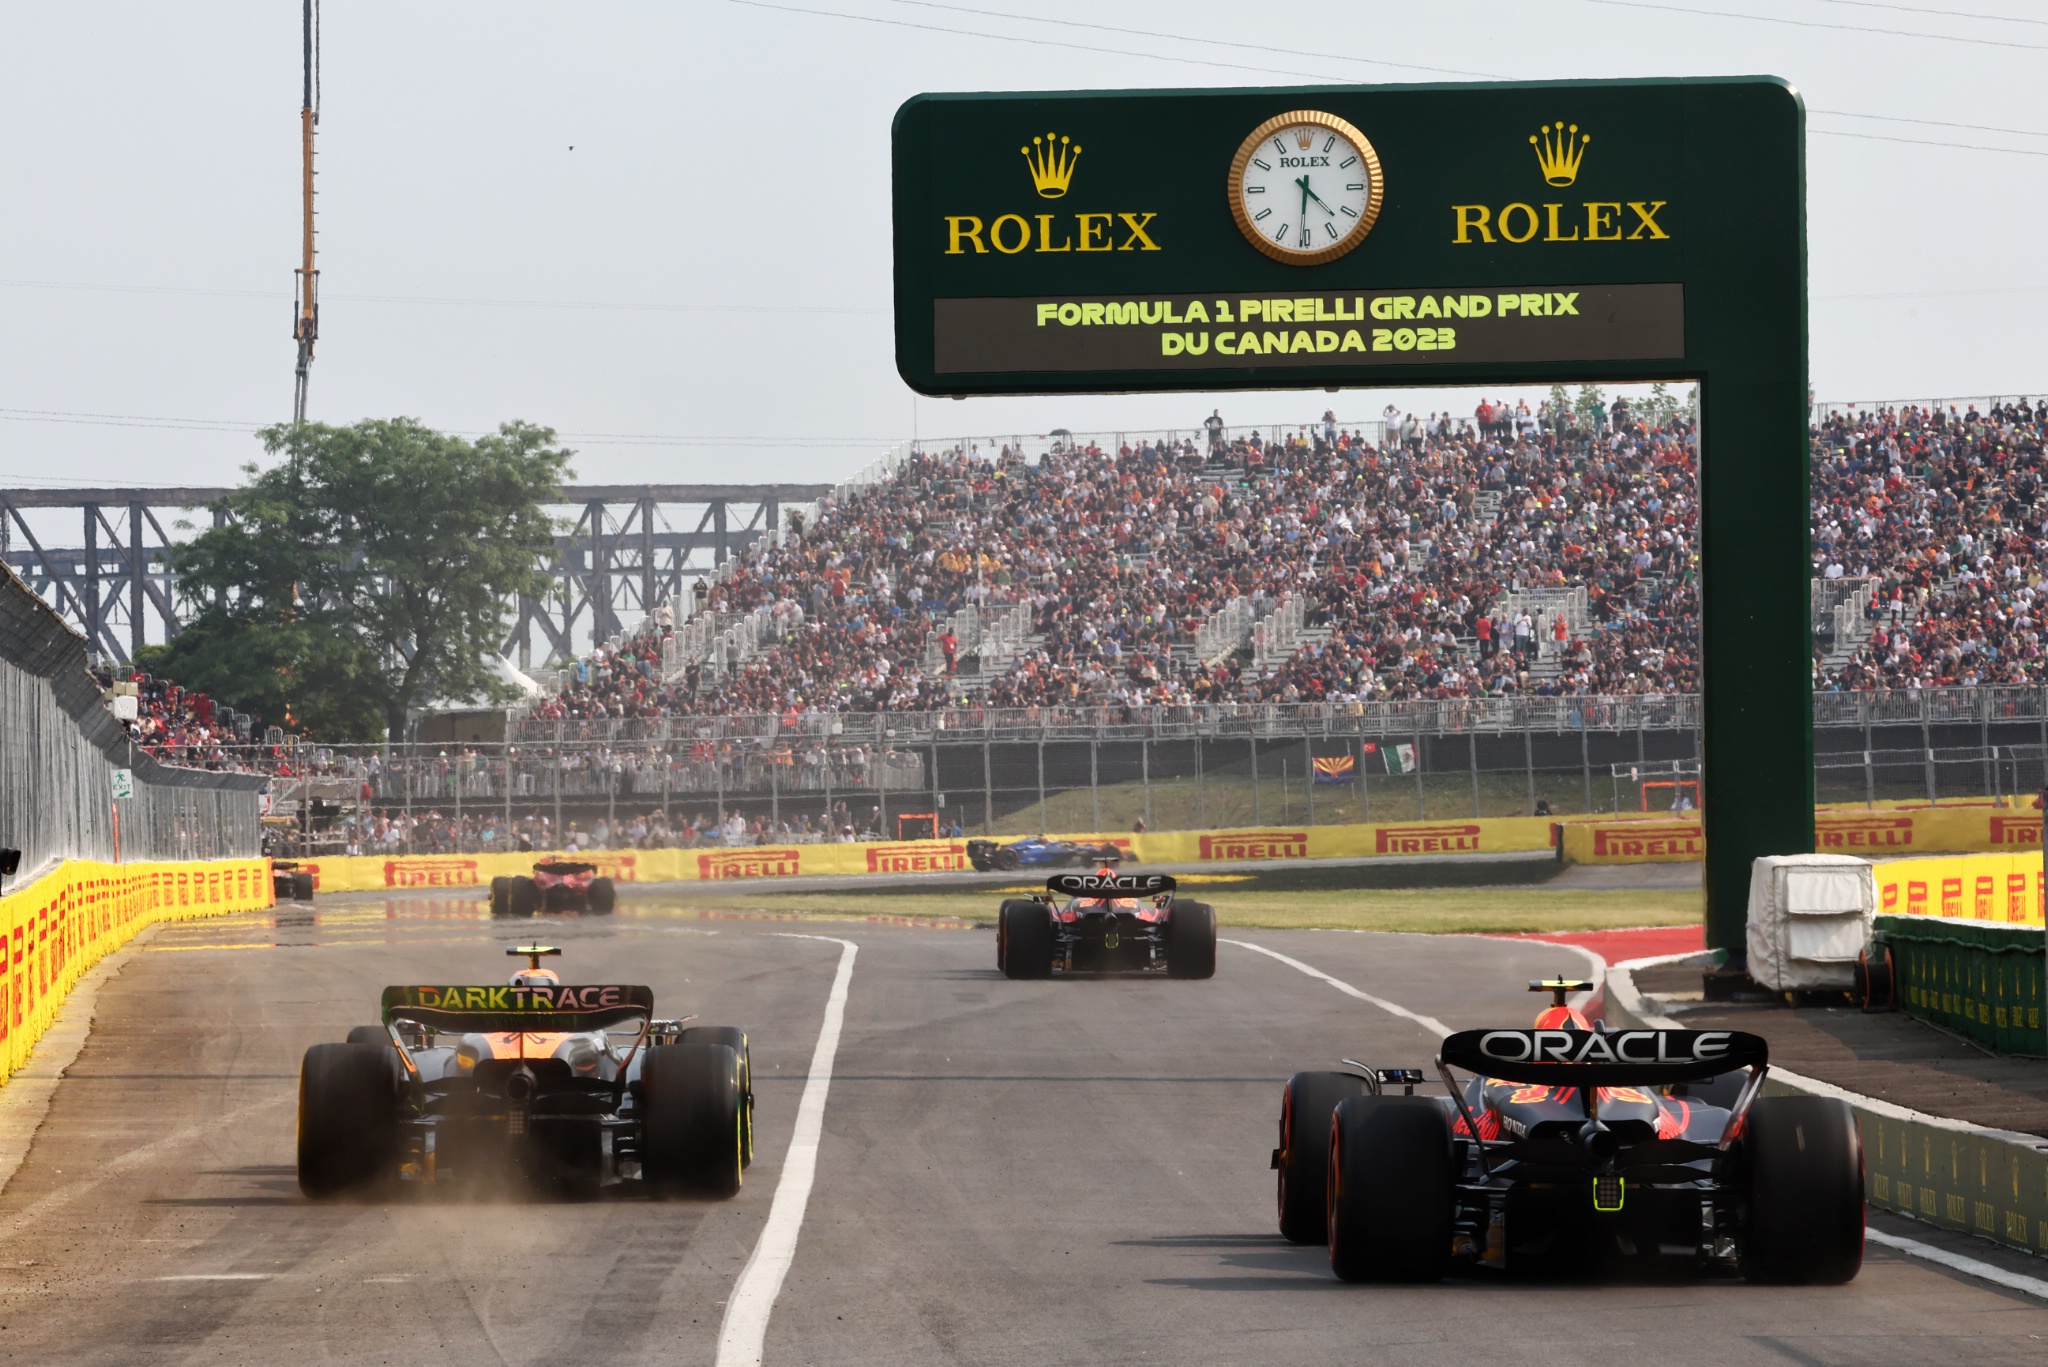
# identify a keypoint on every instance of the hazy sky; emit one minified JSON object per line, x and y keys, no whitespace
{"x":513,"y":221}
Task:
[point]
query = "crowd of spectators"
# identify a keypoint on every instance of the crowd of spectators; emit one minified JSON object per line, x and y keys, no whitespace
{"x":1939,"y":514}
{"x":187,"y":728}
{"x":1402,"y":553}
{"x":432,"y":831}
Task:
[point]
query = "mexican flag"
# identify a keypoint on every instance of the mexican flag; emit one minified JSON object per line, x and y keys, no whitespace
{"x":1400,"y":758}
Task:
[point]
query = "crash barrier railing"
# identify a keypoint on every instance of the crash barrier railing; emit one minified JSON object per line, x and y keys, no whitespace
{"x":1968,"y":1178}
{"x":62,"y":924}
{"x":61,"y":753}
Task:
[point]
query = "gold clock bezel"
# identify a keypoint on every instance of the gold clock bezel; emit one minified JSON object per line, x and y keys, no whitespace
{"x":1234,"y":187}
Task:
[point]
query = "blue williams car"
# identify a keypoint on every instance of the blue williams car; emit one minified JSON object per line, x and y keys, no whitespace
{"x":1037,"y":852}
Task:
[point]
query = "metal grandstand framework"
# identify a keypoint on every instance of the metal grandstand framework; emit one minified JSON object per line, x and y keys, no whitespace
{"x":623,"y":549}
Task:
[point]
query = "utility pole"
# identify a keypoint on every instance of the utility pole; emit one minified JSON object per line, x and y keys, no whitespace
{"x":306,"y":321}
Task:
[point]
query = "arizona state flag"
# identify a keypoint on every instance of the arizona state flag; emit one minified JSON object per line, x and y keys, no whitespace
{"x":1335,"y":768}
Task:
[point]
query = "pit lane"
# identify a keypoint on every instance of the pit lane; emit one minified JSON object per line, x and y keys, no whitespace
{"x":1049,"y":1172}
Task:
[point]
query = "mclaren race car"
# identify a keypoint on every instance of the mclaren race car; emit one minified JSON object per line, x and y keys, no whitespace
{"x":1105,"y":922}
{"x":556,"y":885}
{"x":1037,"y":852}
{"x":558,"y":1088}
{"x":1573,"y":1145}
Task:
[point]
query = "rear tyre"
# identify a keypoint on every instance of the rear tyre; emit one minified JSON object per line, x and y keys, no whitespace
{"x":1303,"y":1158}
{"x":522,"y":896}
{"x":501,"y":896}
{"x":1190,"y":940}
{"x":1024,"y":940}
{"x":370,"y":1034}
{"x":1389,"y":1204}
{"x":735,"y":1039}
{"x":1802,"y":1157}
{"x":348,"y":1118}
{"x":302,"y":886}
{"x":1006,"y":860}
{"x":603,"y":895}
{"x":1003,"y":929}
{"x":692,"y":1134}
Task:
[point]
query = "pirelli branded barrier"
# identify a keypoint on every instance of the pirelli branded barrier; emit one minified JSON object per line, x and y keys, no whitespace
{"x":1880,"y":834}
{"x":1494,"y":835}
{"x":2002,"y":889}
{"x":66,"y":921}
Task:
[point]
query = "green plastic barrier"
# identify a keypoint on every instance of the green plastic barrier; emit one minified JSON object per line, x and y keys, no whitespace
{"x":1982,"y":981}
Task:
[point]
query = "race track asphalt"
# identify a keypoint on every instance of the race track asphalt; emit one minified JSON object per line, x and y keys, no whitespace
{"x":1050,"y":1172}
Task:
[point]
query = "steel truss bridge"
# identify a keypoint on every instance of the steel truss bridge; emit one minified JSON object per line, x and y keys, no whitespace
{"x":622,"y":550}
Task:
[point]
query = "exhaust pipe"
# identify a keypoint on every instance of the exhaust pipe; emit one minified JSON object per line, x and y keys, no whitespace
{"x":520,"y":1086}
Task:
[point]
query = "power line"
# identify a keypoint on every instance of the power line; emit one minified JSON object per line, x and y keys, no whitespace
{"x":450,"y":301}
{"x":1933,"y":123}
{"x":1814,"y":23}
{"x":1921,"y":142}
{"x":1943,"y":13}
{"x":1181,"y":38}
{"x":1034,"y":42}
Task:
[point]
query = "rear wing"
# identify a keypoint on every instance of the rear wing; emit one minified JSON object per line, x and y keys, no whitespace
{"x":1109,"y":884}
{"x":543,"y":1008}
{"x":1612,"y":1058}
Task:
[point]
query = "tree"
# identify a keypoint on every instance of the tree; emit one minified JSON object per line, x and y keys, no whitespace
{"x":365,"y":573}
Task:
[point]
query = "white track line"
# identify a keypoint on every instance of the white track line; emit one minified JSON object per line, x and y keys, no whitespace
{"x":1955,"y":1262}
{"x":1998,"y":1276}
{"x":1429,"y":1023}
{"x":744,"y":1334}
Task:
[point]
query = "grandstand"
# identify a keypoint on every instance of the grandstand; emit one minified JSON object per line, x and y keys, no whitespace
{"x":1550,"y":555}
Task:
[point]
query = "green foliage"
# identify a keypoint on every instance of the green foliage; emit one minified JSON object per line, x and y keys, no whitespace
{"x":365,"y":573}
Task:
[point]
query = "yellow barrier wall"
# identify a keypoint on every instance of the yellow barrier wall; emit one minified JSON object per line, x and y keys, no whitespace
{"x":368,"y":873}
{"x":2004,"y":888}
{"x":66,"y":921}
{"x":1837,"y":830}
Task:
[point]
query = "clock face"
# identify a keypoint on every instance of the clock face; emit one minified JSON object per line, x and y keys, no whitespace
{"x":1305,"y":187}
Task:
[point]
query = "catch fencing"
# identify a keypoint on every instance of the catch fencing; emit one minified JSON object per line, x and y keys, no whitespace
{"x":797,"y":779}
{"x":60,"y":750}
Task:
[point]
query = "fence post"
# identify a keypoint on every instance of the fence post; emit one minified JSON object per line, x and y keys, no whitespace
{"x":1586,"y":758}
{"x":938,"y":815}
{"x":1308,"y":764}
{"x":406,"y":746}
{"x":506,"y":757}
{"x":718,"y":753}
{"x":1983,"y":704}
{"x":1927,"y":746}
{"x":988,"y":798}
{"x":831,"y":821}
{"x":1421,"y":802}
{"x":1041,"y":780}
{"x":1364,"y":785}
{"x":1201,"y":788}
{"x":774,"y":790}
{"x":1094,"y":788}
{"x":1253,"y":742}
{"x":1144,"y":774}
{"x":1529,"y":767}
{"x":560,"y":754}
{"x":1473,"y":738}
{"x":1869,"y":782}
{"x":880,"y":769}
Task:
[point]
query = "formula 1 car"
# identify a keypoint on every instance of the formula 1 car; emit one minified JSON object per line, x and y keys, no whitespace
{"x":1037,"y":852}
{"x":289,"y":882}
{"x":1575,"y":1143}
{"x":1103,"y":922}
{"x":556,"y":885}
{"x":568,"y":1089}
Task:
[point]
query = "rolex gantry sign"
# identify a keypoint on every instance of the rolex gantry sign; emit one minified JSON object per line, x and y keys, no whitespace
{"x":1324,"y":237}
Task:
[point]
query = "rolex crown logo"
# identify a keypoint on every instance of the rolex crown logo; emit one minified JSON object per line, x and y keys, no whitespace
{"x":1303,"y":137}
{"x":1051,"y":159}
{"x":1559,"y":149}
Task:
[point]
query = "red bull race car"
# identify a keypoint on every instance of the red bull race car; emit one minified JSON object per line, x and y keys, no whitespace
{"x":1104,"y":923}
{"x":559,"y":1088}
{"x":1577,"y":1145}
{"x":556,"y":885}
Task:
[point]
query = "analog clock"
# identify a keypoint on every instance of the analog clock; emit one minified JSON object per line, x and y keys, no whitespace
{"x":1305,"y":187}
